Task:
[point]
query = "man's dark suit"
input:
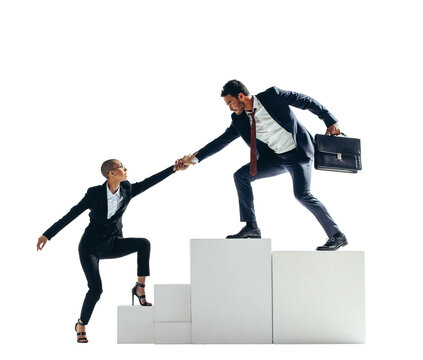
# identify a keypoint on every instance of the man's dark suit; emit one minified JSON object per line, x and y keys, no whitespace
{"x":277,"y":103}
{"x":102,"y":238}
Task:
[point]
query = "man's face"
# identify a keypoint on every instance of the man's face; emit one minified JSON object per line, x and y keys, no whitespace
{"x":236,"y":105}
{"x":119,"y":171}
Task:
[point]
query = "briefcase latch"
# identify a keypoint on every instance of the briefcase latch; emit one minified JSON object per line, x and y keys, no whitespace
{"x":338,"y":156}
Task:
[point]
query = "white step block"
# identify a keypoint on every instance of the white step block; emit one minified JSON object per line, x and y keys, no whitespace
{"x":135,"y":324}
{"x":318,"y":297}
{"x":231,"y":289}
{"x":172,"y":333}
{"x":172,"y":303}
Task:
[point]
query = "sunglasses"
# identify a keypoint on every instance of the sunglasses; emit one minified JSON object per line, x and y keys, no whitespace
{"x":121,"y":166}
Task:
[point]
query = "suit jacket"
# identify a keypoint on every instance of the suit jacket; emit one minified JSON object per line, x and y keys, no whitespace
{"x":100,"y":228}
{"x":276,"y":102}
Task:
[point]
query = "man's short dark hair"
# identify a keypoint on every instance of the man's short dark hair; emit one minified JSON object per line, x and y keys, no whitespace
{"x":233,"y":88}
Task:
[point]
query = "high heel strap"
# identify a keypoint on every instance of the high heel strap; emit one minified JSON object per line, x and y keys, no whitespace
{"x":140,"y":285}
{"x":82,"y":333}
{"x":79,"y":323}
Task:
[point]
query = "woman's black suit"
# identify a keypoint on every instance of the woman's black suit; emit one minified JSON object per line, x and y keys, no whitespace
{"x":102,"y":238}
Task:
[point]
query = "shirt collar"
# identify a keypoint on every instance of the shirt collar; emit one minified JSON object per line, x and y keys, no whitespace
{"x":109,"y":193}
{"x":256,"y":105}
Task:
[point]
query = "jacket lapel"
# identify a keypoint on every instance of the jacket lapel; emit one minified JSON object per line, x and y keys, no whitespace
{"x":265,"y":101}
{"x":242,"y":124}
{"x":273,"y":109}
{"x":103,"y":201}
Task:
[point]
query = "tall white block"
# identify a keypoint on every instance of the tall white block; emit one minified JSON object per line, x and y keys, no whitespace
{"x":318,"y":297}
{"x":172,"y":303}
{"x":135,"y":325}
{"x":231,"y":290}
{"x":172,"y":333}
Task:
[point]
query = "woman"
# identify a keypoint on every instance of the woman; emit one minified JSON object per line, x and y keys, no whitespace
{"x":102,"y":238}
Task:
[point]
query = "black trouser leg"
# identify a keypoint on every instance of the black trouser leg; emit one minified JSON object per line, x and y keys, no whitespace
{"x":125,"y":246}
{"x":243,"y":178}
{"x":90,"y":264}
{"x":300,"y":171}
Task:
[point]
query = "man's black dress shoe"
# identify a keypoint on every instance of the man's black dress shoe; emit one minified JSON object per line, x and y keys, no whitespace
{"x":334,"y":243}
{"x":246,"y":233}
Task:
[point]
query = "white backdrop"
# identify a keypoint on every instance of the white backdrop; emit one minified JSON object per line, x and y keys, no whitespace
{"x":84,"y":81}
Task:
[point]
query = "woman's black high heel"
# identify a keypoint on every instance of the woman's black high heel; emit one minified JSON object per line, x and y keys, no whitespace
{"x":81,"y":339}
{"x":134,"y":293}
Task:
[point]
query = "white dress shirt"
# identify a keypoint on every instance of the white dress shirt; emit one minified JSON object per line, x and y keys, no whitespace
{"x":114,"y":202}
{"x":269,"y":131}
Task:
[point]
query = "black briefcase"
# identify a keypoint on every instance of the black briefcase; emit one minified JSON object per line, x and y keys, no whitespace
{"x":337,"y":153}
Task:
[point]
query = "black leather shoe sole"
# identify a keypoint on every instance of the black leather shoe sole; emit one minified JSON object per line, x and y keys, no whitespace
{"x":243,"y":237}
{"x":246,"y":233}
{"x":333,"y":247}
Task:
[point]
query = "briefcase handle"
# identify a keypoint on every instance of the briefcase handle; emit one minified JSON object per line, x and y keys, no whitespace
{"x":337,"y":135}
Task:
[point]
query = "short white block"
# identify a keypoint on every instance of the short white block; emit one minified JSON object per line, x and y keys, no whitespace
{"x":231,"y":289}
{"x":318,"y":297}
{"x":172,"y":333}
{"x":135,"y":325}
{"x":172,"y":303}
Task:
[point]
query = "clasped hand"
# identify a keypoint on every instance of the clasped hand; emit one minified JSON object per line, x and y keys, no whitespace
{"x":184,"y":162}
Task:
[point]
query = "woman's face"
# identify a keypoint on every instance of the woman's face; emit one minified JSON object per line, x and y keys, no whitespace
{"x":118,"y":172}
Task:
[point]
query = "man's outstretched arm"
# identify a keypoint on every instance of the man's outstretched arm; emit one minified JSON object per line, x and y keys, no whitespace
{"x":213,"y":147}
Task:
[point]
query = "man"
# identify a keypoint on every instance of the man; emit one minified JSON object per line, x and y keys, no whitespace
{"x":279,"y":143}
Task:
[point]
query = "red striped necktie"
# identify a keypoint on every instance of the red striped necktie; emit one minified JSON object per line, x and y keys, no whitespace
{"x":253,"y":146}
